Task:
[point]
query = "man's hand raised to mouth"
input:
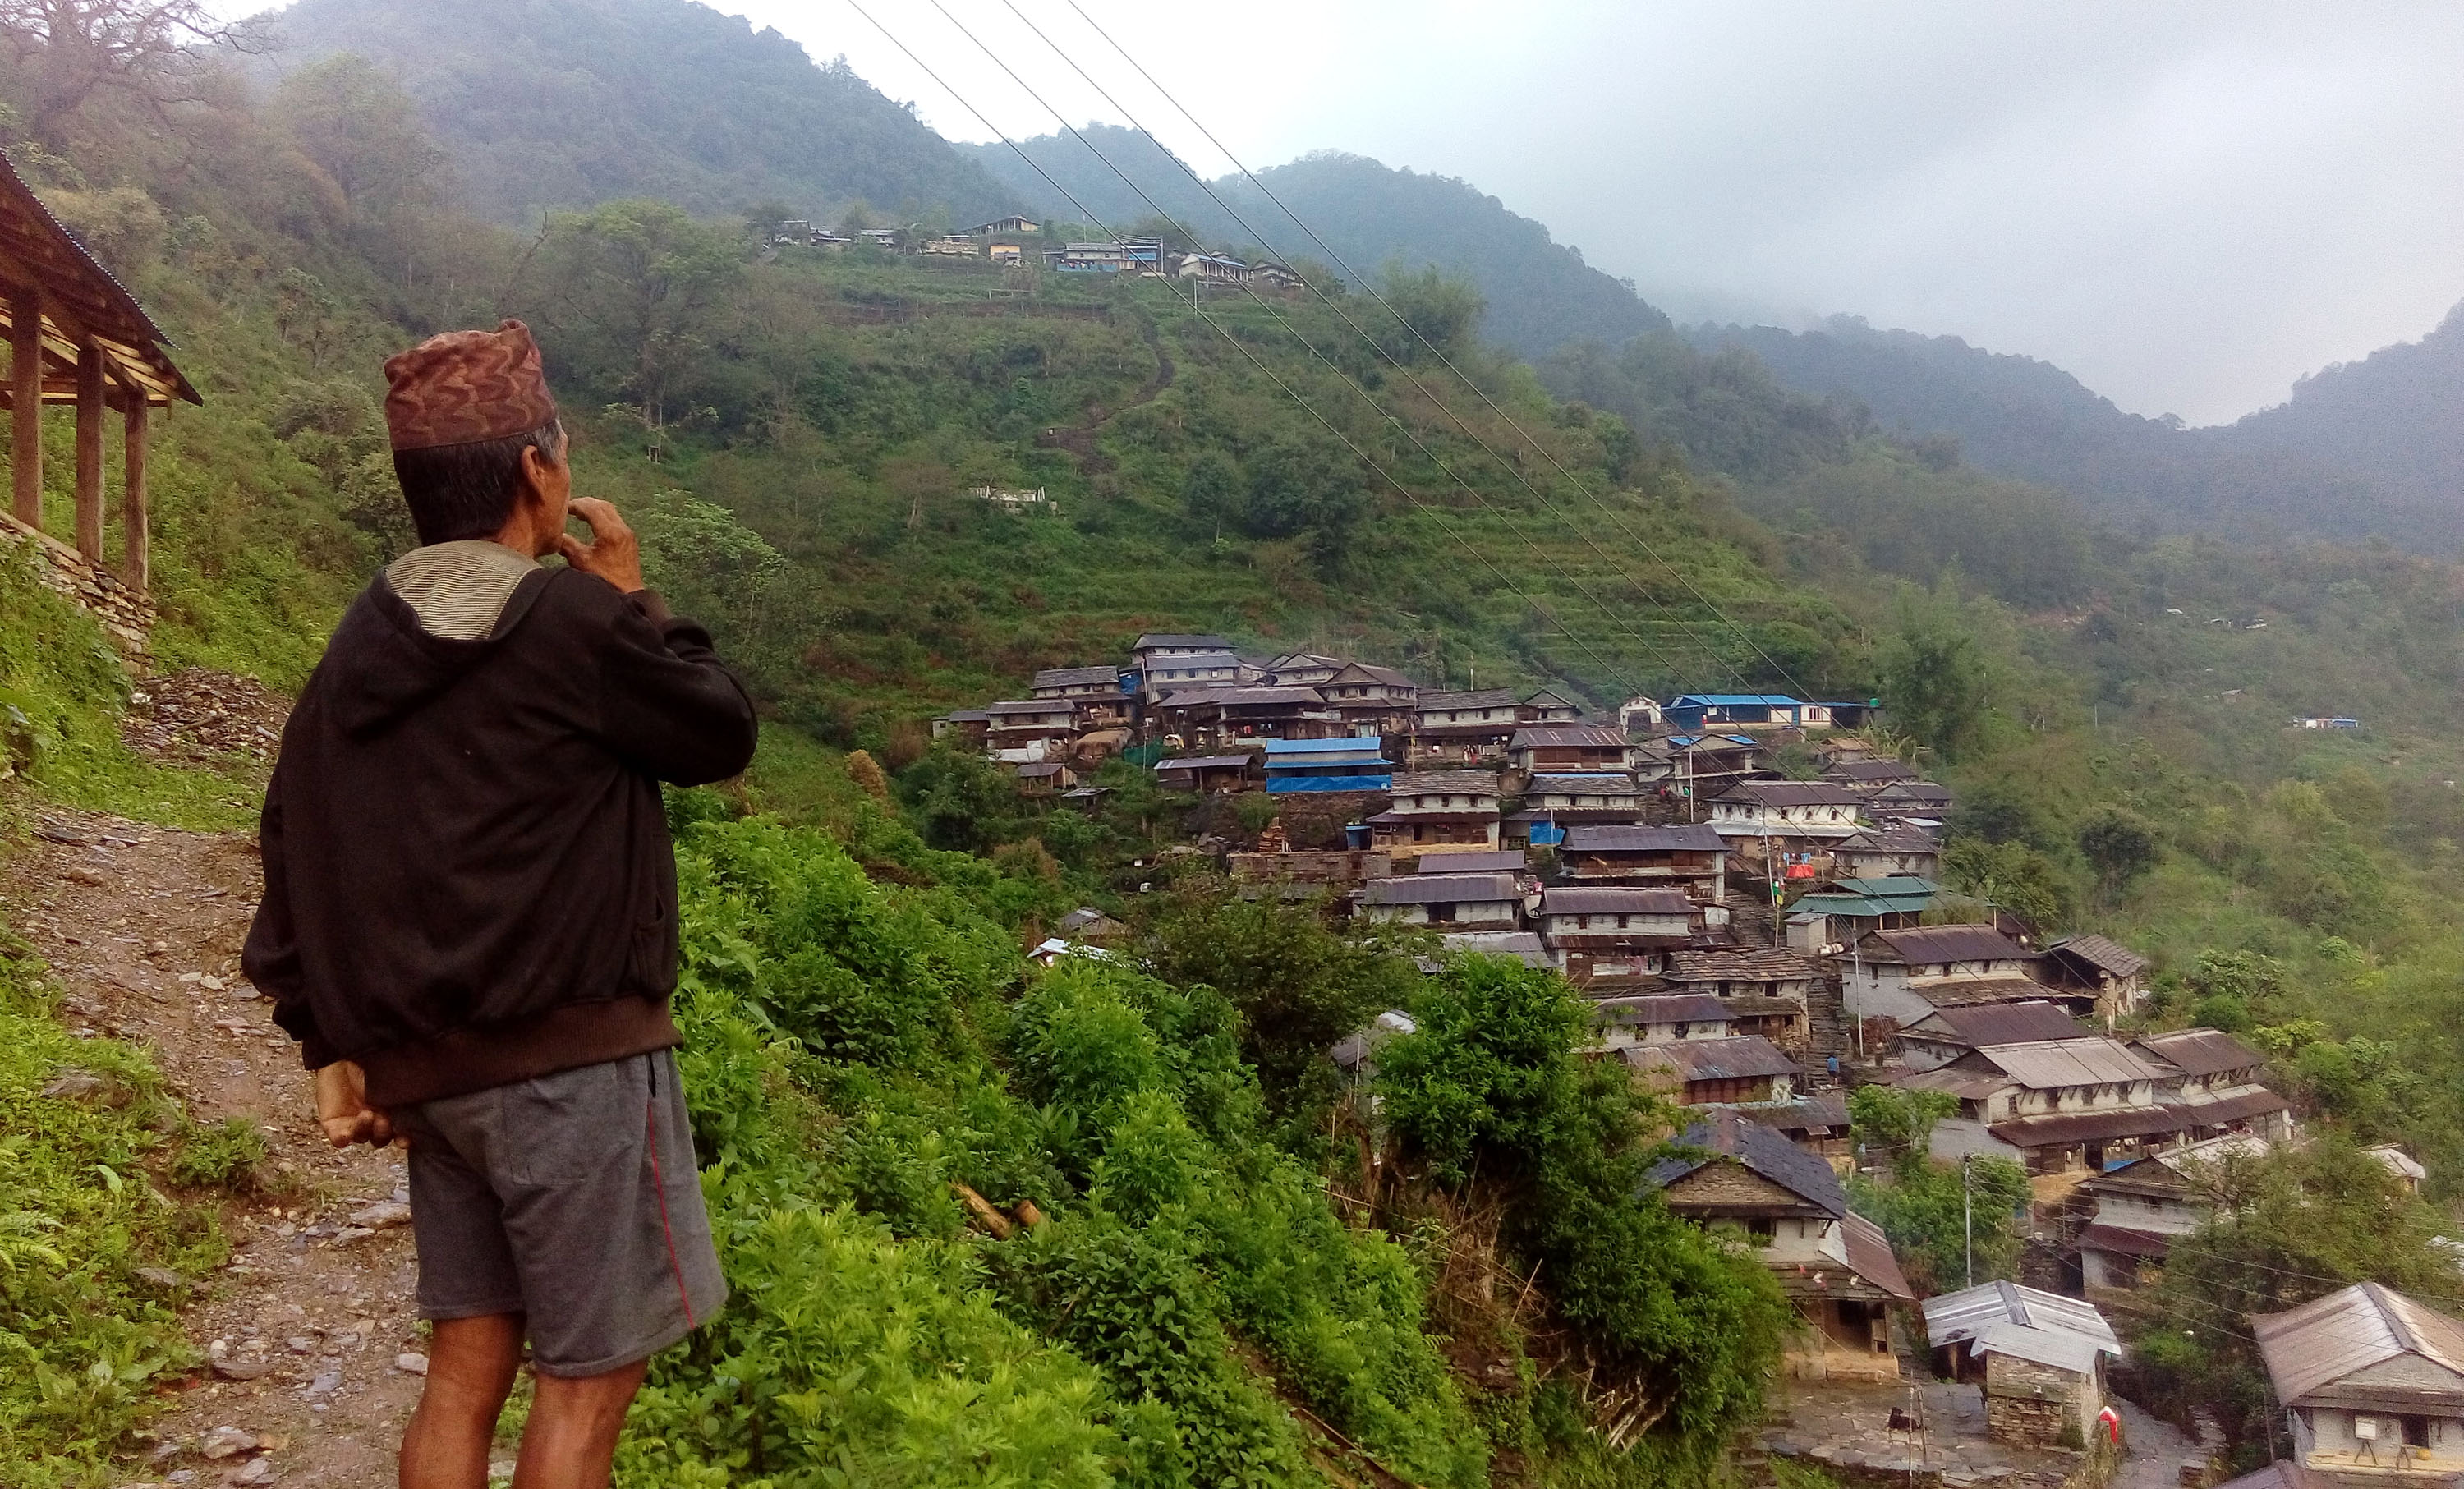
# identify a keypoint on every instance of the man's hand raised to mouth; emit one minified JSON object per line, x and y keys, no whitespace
{"x":613,"y":553}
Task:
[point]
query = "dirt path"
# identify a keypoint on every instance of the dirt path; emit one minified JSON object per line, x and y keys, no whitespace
{"x":309,"y":1326}
{"x":1079,"y":439}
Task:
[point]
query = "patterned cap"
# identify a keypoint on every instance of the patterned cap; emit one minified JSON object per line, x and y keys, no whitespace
{"x":466,"y":387}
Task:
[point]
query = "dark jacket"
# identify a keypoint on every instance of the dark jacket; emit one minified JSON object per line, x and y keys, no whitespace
{"x":468,"y":875}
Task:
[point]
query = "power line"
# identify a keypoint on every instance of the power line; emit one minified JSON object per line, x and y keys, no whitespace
{"x":1374,"y":345}
{"x":1284,"y":386}
{"x":1605,"y":610}
{"x":1447,"y":362}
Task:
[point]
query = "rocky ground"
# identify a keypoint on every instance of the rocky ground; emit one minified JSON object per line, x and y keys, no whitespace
{"x":315,"y":1356}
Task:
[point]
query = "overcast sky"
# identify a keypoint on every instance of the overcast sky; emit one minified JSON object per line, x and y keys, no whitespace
{"x":2186,"y":204}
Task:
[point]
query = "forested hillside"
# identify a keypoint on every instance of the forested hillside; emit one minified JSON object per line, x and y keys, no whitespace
{"x":1226,"y":1264}
{"x":545,"y":103}
{"x":2361,"y":452}
{"x":1540,"y":292}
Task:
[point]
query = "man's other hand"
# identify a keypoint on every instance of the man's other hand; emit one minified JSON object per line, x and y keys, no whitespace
{"x":343,"y":1108}
{"x":613,"y":553}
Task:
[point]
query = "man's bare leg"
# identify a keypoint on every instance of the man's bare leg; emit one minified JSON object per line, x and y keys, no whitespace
{"x":471,"y":1366}
{"x":575,"y":1421}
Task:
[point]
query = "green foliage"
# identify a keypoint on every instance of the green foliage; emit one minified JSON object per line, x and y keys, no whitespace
{"x":2287,"y":1226}
{"x":224,"y":1155}
{"x":1938,"y":1216}
{"x":2122,"y":849}
{"x":83,"y":1338}
{"x":2011,"y":875}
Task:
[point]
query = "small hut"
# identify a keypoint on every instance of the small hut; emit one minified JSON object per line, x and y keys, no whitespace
{"x":78,"y":340}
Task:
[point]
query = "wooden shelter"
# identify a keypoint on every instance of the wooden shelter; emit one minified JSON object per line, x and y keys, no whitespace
{"x":77,"y":338}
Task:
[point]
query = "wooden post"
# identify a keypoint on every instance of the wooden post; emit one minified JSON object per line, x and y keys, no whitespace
{"x":136,"y":566}
{"x":26,"y":392}
{"x":90,"y":410}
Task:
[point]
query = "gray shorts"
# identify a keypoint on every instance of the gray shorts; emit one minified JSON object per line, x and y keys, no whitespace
{"x":573,"y":1198}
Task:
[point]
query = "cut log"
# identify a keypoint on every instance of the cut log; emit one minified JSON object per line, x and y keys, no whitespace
{"x":980,"y":1209}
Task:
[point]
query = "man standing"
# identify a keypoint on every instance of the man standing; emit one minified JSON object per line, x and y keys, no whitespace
{"x":470,"y":916}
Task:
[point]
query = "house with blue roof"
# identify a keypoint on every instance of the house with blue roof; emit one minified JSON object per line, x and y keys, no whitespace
{"x":1356,"y":763}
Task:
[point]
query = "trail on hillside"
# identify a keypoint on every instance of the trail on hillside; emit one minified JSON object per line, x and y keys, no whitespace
{"x":309,"y":1329}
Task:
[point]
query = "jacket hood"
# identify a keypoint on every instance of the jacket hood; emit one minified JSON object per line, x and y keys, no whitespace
{"x":382,"y":666}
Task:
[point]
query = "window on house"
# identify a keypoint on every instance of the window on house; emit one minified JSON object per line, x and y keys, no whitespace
{"x":2416,"y":1431}
{"x":1441,"y":914}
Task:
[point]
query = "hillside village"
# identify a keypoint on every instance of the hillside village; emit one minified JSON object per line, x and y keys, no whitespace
{"x":1019,"y":242}
{"x":1746,"y":892}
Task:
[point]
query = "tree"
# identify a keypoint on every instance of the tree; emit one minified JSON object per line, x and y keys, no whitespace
{"x":1936,"y":678}
{"x":2285,"y":1226}
{"x":1938,"y":1216}
{"x":2122,"y":848}
{"x":2011,"y":875}
{"x":1210,"y":493}
{"x":363,"y":134}
{"x":69,"y":59}
{"x":1433,"y":309}
{"x":1297,"y":488}
{"x":636,"y":289}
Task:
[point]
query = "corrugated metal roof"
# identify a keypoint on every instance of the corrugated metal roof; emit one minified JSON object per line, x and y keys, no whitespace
{"x":1524,"y":946}
{"x":1203,"y":643}
{"x":1689,"y":838}
{"x":1370,"y":743}
{"x":1999,"y":1023}
{"x":1441,"y":890}
{"x":2047,"y":1064}
{"x":1890,"y":885}
{"x":1957,"y":1079}
{"x":2060,"y":1129}
{"x":1740,"y":1056}
{"x":2201,"y":1052}
{"x":1557,"y":737}
{"x":1965,"y":1314}
{"x":1822,"y":1110}
{"x":1615,"y":902}
{"x":2008,"y":987}
{"x":1790,"y":793}
{"x":1009,"y":707}
{"x":1870,"y":1255}
{"x":1929,"y":944}
{"x":2104,"y":953}
{"x":1877,"y":772}
{"x":1077,"y":676}
{"x":1723,"y":1133}
{"x":2311,"y":1347}
{"x":1205,"y":762}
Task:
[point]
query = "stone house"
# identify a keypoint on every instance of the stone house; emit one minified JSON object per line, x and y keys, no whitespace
{"x":1437,"y":811}
{"x":2125,"y":1218}
{"x":1834,"y":1266}
{"x":1616,"y":932}
{"x":1766,"y":991}
{"x":1904,"y":976}
{"x":1557,"y":749}
{"x":1465,"y":726}
{"x":2214,"y":1082}
{"x":2374,"y":1384}
{"x":1659,"y":1019}
{"x":2039,"y":1358}
{"x":1743,"y":1067}
{"x":1552,"y":804}
{"x":2100,"y":967}
{"x":1947,"y":1034}
{"x":1464,"y":901}
{"x":1886,"y":853}
{"x":1690,"y":857}
{"x":2056,"y":1105}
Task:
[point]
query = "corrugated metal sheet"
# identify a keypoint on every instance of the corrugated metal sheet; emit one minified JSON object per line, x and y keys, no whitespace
{"x":1692,"y":838}
{"x":1931,"y":944}
{"x":2047,"y":1064}
{"x":1615,"y":902}
{"x":2104,"y":953}
{"x":1644,"y":1008}
{"x":1999,"y":1023}
{"x":1441,"y":890}
{"x":1969,"y":1313}
{"x":1743,"y":1057}
{"x":1870,"y":1257}
{"x":2202,"y":1052}
{"x":1435,"y":863}
{"x":1448,"y":782}
{"x":2309,"y":1348}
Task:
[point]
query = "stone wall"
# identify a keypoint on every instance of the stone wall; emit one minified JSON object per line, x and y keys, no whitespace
{"x":125,"y":615}
{"x":2030,"y":1405}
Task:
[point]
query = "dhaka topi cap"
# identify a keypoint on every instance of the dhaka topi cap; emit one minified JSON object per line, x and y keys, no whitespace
{"x":466,"y":387}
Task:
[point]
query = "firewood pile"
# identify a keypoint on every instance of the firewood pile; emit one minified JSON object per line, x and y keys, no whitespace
{"x":198,"y":715}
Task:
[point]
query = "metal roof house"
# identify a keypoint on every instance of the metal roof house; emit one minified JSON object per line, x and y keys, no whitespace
{"x":2374,"y":1382}
{"x":2040,"y":1359}
{"x":1357,"y":763}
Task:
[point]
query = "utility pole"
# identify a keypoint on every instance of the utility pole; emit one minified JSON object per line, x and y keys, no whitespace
{"x":1967,"y":1213}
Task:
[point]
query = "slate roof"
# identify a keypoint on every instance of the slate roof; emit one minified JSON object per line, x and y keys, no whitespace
{"x":1203,"y":763}
{"x":1077,"y":676}
{"x":1478,"y":783}
{"x":1872,"y":771}
{"x":1243,"y":698}
{"x":1926,"y":945}
{"x":1525,"y":946}
{"x":1009,"y":707}
{"x":1723,"y":1133}
{"x":1472,"y":863}
{"x":1441,"y":890}
{"x":1615,"y":902}
{"x":1466,"y":702}
{"x":1791,"y":793}
{"x":1167,"y":639}
{"x":1647,"y":1008}
{"x":1592,"y":783}
{"x":1740,"y":1056}
{"x":2008,"y":987}
{"x":1822,"y":1110}
{"x":1688,"y":838}
{"x":2103,"y":952}
{"x":2310,"y":1348}
{"x":1754,"y":965}
{"x":1886,"y":840}
{"x":1997,"y":1023}
{"x":2200,"y":1052}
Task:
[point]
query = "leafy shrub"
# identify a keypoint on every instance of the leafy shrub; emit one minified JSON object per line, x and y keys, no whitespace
{"x":224,"y":1155}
